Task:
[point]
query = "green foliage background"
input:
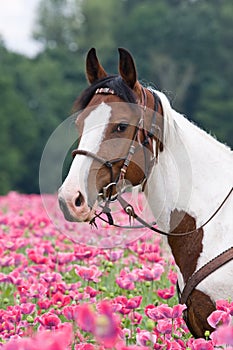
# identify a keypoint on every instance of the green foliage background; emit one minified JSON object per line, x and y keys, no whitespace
{"x":182,"y":47}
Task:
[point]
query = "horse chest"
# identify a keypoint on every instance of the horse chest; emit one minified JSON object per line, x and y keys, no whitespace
{"x":185,"y":249}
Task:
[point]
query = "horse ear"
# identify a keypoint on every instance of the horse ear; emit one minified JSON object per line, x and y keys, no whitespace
{"x":94,"y":70}
{"x":127,"y":68}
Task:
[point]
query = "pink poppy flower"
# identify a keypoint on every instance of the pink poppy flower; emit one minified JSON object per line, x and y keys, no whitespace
{"x":50,"y":277}
{"x":126,"y":279}
{"x":151,"y":274}
{"x":71,"y":312}
{"x":27,"y":308}
{"x":107,"y":325}
{"x":119,"y":304}
{"x":219,"y":317}
{"x":144,"y":338}
{"x":170,"y":344}
{"x":83,"y":252}
{"x":177,"y":310}
{"x":37,"y":290}
{"x":135,"y":317}
{"x":85,"y":318}
{"x":121,"y":346}
{"x":152,"y":257}
{"x":91,"y":291}
{"x":63,"y":258}
{"x":134,"y":303}
{"x":49,"y":321}
{"x":44,"y":303}
{"x":166,"y":293}
{"x":58,"y":340}
{"x":172,"y":276}
{"x":60,"y":300}
{"x":36,"y":257}
{"x":201,"y":344}
{"x":158,"y":312}
{"x":164,"y":326}
{"x":223,"y":335}
{"x":88,"y":273}
{"x":84,"y":347}
{"x":114,"y":255}
{"x":125,"y":283}
{"x":225,"y":305}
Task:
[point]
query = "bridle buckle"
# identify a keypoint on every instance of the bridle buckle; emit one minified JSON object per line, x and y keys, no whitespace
{"x":105,"y":196}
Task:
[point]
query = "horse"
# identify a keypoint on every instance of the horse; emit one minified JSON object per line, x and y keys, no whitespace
{"x":129,"y":132}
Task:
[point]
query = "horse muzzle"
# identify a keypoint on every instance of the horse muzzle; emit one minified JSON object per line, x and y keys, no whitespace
{"x":75,"y":208}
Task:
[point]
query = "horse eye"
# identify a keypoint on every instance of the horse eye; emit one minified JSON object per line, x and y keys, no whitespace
{"x":121,"y":127}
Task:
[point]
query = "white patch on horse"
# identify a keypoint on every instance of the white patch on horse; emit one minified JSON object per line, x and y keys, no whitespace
{"x":194,"y":174}
{"x":93,"y":133}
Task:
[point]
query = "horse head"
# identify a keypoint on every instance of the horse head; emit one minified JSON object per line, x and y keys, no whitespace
{"x":119,"y":127}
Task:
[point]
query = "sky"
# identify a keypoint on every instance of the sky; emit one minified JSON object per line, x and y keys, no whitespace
{"x":17,"y":18}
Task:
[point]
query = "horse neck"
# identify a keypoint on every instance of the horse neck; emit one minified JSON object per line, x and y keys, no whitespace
{"x":190,"y":172}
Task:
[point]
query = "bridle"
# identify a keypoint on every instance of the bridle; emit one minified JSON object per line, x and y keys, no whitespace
{"x":118,"y":183}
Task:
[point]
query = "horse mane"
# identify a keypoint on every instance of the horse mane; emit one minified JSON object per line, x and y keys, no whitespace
{"x":175,"y":119}
{"x":114,"y":82}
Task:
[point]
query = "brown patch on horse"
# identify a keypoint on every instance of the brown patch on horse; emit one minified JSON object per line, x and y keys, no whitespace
{"x":185,"y":249}
{"x":199,"y":307}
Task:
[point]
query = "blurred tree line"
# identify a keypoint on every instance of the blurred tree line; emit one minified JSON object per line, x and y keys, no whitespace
{"x":181,"y":47}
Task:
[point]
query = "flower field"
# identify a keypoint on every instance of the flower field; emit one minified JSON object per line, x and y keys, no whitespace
{"x":58,"y":295}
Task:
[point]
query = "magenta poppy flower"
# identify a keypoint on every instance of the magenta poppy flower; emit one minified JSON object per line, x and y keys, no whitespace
{"x":166,"y":293}
{"x":223,"y":336}
{"x":177,"y":310}
{"x":172,"y":276}
{"x":201,"y":344}
{"x":49,"y":321}
{"x":119,"y":304}
{"x":50,"y":277}
{"x":86,"y":318}
{"x":114,"y":255}
{"x":84,"y":347}
{"x":71,"y":312}
{"x":88,"y":273}
{"x":158,"y":312}
{"x":107,"y":325}
{"x":125,"y":283}
{"x":164,"y":326}
{"x":27,"y":308}
{"x":63,"y":258}
{"x":151,"y":274}
{"x":144,"y":337}
{"x":60,"y":300}
{"x":91,"y":291}
{"x":134,"y":303}
{"x":225,"y":305}
{"x":44,"y":304}
{"x":82,"y":252}
{"x":135,"y":317}
{"x":218,"y":318}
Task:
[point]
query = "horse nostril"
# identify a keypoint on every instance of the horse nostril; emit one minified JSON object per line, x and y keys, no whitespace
{"x":79,"y":200}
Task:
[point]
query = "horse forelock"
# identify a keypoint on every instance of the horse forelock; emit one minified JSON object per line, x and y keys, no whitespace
{"x":114,"y":82}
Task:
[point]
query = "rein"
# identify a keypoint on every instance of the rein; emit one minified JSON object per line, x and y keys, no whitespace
{"x":128,"y":208}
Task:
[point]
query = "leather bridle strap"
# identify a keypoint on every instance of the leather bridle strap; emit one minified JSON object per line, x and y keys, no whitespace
{"x":204,"y":272}
{"x":128,"y":208}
